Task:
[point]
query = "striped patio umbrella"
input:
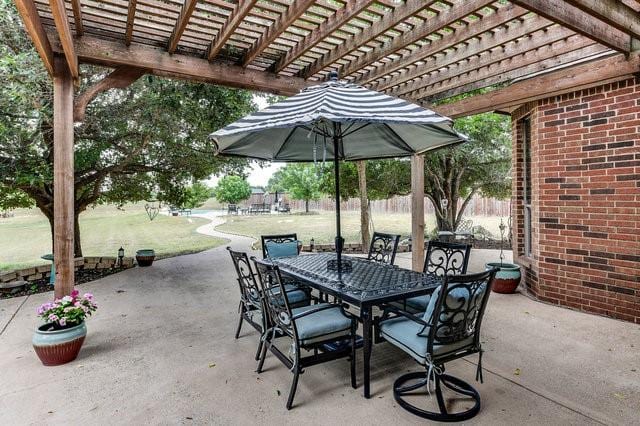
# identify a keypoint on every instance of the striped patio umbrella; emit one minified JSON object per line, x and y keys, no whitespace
{"x":336,"y":121}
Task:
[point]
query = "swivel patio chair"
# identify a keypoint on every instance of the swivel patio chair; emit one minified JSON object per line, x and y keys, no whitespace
{"x":251,"y":300}
{"x":441,"y":259}
{"x":449,"y":329}
{"x":383,"y":248}
{"x":308,"y":328}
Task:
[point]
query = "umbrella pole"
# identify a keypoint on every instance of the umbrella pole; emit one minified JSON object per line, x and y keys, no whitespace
{"x":336,"y":169}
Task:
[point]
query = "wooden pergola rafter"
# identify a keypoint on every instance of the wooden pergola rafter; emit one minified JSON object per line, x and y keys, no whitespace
{"x":423,"y":50}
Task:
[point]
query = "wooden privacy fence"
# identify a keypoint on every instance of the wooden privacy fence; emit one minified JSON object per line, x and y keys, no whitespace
{"x":478,"y":206}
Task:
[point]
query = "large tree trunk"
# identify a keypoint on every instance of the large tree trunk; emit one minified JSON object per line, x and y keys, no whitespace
{"x":306,"y":206}
{"x":364,"y":204}
{"x":77,"y":245}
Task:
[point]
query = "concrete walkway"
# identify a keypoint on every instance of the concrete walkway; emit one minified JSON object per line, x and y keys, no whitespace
{"x":160,"y":350}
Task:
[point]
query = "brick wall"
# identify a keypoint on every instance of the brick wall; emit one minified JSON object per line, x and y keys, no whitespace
{"x":586,"y":199}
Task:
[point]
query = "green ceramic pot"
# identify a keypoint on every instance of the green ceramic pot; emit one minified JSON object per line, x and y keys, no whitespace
{"x":507,"y":278}
{"x":56,"y":347}
{"x":145,"y":257}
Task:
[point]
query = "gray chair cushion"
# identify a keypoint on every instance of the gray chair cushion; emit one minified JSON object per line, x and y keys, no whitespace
{"x":321,"y":325}
{"x":294,"y":295}
{"x":418,"y":303}
{"x":403,"y":333}
{"x":288,"y":248}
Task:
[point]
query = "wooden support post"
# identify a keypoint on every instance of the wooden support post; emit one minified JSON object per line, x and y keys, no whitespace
{"x":63,"y":191}
{"x":364,"y":205}
{"x":417,"y":212}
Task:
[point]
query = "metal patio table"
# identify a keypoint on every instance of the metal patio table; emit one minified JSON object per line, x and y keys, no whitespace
{"x":367,"y":285}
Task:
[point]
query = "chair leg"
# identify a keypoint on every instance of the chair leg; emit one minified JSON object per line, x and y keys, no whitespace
{"x":240,"y":324}
{"x":294,"y":385}
{"x":265,"y":346}
{"x":479,"y":369}
{"x":260,"y":343}
{"x":354,"y":383}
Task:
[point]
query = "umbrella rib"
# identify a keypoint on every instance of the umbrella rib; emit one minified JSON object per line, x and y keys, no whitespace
{"x":287,"y":139}
{"x":402,"y":144}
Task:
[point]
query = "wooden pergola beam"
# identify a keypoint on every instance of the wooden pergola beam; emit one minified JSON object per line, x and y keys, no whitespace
{"x":567,"y":80}
{"x":544,"y":58}
{"x":293,"y":12}
{"x":580,"y":21}
{"x":181,"y":24}
{"x":59,"y":12}
{"x":232,"y":23}
{"x":613,"y":12}
{"x":131,"y":16}
{"x":417,"y":212}
{"x":33,"y":26}
{"x":333,"y":23}
{"x":442,"y":20}
{"x":77,"y":16}
{"x":517,"y":49}
{"x":111,"y":53}
{"x":499,"y":18}
{"x":473,"y":47}
{"x":389,"y":20}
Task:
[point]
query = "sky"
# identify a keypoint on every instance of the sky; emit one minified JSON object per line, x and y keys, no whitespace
{"x":258,"y":176}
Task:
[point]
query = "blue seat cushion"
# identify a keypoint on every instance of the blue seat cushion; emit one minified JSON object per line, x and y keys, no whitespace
{"x":295,"y":296}
{"x":275,"y":250}
{"x":321,"y":325}
{"x":418,"y":303}
{"x":405,"y":334}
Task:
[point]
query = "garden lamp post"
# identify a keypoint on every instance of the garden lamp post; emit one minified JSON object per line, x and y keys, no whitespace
{"x":120,"y":256}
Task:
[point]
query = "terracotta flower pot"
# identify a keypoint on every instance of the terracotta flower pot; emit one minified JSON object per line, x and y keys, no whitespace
{"x":507,"y":278}
{"x":56,"y":347}
{"x":145,"y":257}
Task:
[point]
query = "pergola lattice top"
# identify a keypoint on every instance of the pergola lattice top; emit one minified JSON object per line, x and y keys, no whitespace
{"x":421,"y":50}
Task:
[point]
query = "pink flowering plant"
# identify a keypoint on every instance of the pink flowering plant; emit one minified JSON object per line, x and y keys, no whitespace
{"x":69,"y":311}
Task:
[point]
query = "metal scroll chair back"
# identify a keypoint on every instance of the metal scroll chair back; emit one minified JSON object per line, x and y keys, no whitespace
{"x":446,"y":258}
{"x":458,"y":310}
{"x":383,"y":248}
{"x":284,"y":238}
{"x":249,"y":290}
{"x":276,"y":305}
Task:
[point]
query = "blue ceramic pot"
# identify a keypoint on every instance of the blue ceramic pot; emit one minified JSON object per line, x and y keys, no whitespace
{"x":507,"y":278}
{"x":55,"y":347}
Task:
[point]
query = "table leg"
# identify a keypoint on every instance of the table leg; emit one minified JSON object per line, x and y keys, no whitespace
{"x":366,"y":348}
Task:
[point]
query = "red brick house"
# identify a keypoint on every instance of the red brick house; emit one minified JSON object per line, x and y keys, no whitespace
{"x":576,"y":198}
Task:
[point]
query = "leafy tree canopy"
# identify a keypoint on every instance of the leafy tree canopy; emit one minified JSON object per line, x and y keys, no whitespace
{"x":303,"y":181}
{"x":147,"y":141}
{"x":195,"y":196}
{"x":232,"y":189}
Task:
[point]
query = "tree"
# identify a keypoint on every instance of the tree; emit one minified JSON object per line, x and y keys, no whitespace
{"x":232,"y":190}
{"x":195,"y":196}
{"x":303,"y":181}
{"x":481,"y":166}
{"x":147,"y":141}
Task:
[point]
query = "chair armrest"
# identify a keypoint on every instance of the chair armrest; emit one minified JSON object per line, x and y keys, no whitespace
{"x":398,"y":311}
{"x":313,"y":311}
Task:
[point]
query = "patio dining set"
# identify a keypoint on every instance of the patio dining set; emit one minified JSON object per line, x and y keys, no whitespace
{"x":317,"y":312}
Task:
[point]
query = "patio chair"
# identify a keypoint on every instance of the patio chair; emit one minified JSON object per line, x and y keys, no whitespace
{"x":309,"y":328}
{"x":383,"y":248}
{"x":449,"y":329}
{"x":251,"y":296}
{"x":441,"y":259}
{"x":465,"y":230}
{"x":283,"y":245}
{"x":232,"y":209}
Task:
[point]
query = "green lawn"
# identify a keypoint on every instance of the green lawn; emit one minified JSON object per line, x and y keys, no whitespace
{"x":25,"y":237}
{"x":321,"y":227}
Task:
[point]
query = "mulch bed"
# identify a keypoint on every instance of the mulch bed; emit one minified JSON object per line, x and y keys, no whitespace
{"x":42,"y":285}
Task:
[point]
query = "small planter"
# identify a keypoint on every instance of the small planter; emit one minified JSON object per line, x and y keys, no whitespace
{"x":145,"y":257}
{"x":56,"y":347}
{"x":507,"y":278}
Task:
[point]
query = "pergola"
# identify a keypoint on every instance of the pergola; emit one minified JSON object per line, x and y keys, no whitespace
{"x":425,"y":51}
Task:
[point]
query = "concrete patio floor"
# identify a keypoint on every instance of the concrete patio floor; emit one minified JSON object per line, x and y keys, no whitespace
{"x":160,"y":350}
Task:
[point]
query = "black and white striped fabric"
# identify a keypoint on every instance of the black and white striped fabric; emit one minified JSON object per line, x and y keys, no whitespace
{"x":371,"y":125}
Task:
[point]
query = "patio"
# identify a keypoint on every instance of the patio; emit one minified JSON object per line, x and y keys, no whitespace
{"x":161,"y":350}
